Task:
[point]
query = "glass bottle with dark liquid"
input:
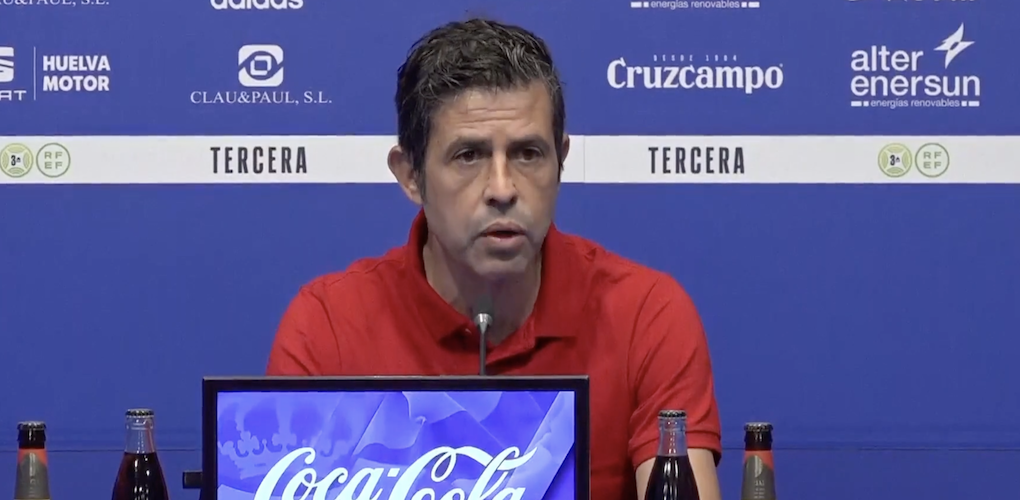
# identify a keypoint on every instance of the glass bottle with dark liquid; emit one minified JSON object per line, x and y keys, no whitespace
{"x":672,"y":477}
{"x":33,"y":479}
{"x":759,"y":470}
{"x":140,"y":476}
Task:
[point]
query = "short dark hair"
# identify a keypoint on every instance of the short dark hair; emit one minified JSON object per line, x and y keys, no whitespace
{"x":463,"y":55}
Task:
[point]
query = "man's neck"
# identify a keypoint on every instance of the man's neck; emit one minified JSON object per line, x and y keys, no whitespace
{"x":513,"y":298}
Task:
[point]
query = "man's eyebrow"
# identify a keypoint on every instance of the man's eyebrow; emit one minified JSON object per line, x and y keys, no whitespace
{"x":475,"y":143}
{"x":467,"y":143}
{"x":534,"y":140}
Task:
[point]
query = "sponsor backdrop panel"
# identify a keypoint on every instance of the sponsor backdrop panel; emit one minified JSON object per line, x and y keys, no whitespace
{"x":694,"y":71}
{"x":96,"y":66}
{"x":938,"y":73}
{"x":872,"y":302}
{"x":684,"y":68}
{"x":799,"y":69}
{"x":185,"y":68}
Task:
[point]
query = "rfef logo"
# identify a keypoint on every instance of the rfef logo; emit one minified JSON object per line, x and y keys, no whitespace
{"x":260,"y":66}
{"x":257,"y":4}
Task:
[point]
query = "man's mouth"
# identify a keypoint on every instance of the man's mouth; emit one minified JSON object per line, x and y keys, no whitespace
{"x":502,"y":234}
{"x":503,"y":231}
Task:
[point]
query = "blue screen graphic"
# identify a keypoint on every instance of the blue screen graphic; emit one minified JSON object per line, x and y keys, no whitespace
{"x":417,"y":445}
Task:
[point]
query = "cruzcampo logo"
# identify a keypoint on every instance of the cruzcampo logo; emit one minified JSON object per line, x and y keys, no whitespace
{"x":895,"y":160}
{"x":932,"y":160}
{"x":53,"y":160}
{"x":16,"y":160}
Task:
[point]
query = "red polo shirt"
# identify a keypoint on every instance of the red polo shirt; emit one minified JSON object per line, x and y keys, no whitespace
{"x":631,"y":329}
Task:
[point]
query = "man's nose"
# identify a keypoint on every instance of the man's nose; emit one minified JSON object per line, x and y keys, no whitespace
{"x":501,"y":190}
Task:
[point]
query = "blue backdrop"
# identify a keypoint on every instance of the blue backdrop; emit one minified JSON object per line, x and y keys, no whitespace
{"x":875,"y":325}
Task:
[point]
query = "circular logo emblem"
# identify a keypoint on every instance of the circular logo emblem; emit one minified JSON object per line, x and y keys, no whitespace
{"x":16,"y":160}
{"x":54,"y":160}
{"x":932,"y":160}
{"x":895,"y":160}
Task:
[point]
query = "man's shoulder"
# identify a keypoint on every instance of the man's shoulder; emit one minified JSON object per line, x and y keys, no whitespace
{"x":618,"y":276}
{"x":361,"y":277}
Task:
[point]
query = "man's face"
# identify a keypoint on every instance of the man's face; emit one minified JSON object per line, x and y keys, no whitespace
{"x":492,"y":179}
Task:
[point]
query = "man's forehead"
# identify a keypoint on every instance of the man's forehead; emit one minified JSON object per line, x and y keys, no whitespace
{"x":528,"y":109}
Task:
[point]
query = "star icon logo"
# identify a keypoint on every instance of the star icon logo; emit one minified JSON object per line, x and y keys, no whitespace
{"x":954,"y":45}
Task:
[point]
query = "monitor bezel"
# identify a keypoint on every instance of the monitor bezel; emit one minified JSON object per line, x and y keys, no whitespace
{"x":578,"y":384}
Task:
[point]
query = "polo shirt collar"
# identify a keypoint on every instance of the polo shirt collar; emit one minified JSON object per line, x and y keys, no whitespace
{"x":561,"y":298}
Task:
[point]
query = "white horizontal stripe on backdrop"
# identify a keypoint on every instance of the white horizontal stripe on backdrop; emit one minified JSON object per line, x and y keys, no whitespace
{"x":592,"y":160}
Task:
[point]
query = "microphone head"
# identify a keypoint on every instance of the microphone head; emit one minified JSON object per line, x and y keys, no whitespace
{"x":482,"y":312}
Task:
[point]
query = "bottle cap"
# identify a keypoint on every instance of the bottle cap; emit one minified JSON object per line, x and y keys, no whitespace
{"x":757,"y":427}
{"x":141,"y":412}
{"x":673,"y":414}
{"x":32,"y":426}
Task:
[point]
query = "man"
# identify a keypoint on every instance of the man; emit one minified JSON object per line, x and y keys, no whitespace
{"x":481,"y":149}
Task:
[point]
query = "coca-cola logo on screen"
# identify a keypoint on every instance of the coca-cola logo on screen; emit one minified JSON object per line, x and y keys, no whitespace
{"x":364,"y":483}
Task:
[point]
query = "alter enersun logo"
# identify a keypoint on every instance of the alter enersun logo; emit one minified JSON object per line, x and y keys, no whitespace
{"x":364,"y":483}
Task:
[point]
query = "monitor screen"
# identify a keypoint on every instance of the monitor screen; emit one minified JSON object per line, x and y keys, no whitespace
{"x":396,"y":445}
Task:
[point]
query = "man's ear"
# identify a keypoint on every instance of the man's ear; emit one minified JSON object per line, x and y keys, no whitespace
{"x":400,"y":166}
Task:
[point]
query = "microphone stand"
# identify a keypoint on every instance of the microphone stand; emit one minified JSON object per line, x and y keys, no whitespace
{"x":482,"y":321}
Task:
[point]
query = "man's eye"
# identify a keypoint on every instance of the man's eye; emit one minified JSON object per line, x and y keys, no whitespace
{"x":531,"y":154}
{"x":468,"y":156}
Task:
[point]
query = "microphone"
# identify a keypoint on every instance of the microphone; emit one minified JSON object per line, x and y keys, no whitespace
{"x":483,"y":320}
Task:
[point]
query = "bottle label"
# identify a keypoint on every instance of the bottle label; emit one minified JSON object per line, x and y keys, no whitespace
{"x":759,"y":476}
{"x":33,"y":479}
